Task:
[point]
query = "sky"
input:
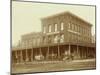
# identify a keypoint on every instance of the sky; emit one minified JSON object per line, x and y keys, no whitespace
{"x":26,"y":16}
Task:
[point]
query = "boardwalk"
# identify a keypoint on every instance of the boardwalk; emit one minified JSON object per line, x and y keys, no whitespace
{"x":54,"y":66}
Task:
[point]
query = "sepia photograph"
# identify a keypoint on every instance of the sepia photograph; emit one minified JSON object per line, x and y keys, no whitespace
{"x":52,"y":37}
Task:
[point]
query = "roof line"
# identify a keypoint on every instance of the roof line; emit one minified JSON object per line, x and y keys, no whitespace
{"x":67,"y":12}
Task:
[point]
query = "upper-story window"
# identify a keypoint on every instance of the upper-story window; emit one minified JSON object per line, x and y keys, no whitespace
{"x":44,"y":30}
{"x":62,"y":26}
{"x":44,"y":40}
{"x":72,"y":26}
{"x":75,"y":27}
{"x":33,"y":41}
{"x":55,"y":27}
{"x":69,"y":25}
{"x":30,"y":43}
{"x":79,"y":29}
{"x":23,"y":44}
{"x":49,"y":28}
{"x":89,"y":33}
{"x":26,"y":44}
{"x":82,"y":30}
{"x":56,"y":39}
{"x":38,"y":41}
{"x":62,"y":38}
{"x":49,"y":39}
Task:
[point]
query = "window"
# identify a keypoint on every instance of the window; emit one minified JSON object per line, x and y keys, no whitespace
{"x":79,"y":29}
{"x":26,"y":43}
{"x":49,"y":39}
{"x":30,"y":43}
{"x":72,"y":26}
{"x":56,"y":39}
{"x":62,"y":38}
{"x":33,"y":42}
{"x":71,"y":37}
{"x":44,"y":30}
{"x":44,"y":40}
{"x":62,"y":26}
{"x":38,"y":41}
{"x":49,"y":28}
{"x":55,"y":27}
{"x":83,"y":30}
{"x":75,"y":27}
{"x":77,"y":38}
{"x":23,"y":44}
{"x":69,"y":26}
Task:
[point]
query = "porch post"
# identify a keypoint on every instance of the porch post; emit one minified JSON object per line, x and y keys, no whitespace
{"x":58,"y":52}
{"x":87,"y":52}
{"x":69,"y":50}
{"x":21,"y":55}
{"x":16,"y":56}
{"x":26,"y":56}
{"x":40,"y":52}
{"x":26,"y":52}
{"x":32,"y":54}
{"x":78,"y":56}
{"x":47,"y":55}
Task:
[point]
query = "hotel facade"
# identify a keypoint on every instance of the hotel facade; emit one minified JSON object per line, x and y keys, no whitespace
{"x":63,"y":35}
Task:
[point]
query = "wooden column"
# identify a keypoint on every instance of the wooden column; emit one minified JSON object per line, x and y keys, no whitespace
{"x":77,"y":49}
{"x":52,"y":54}
{"x":21,"y":56}
{"x":69,"y":50}
{"x":16,"y":56}
{"x":26,"y":56}
{"x":86,"y":52}
{"x":47,"y":55}
{"x":81,"y":52}
{"x":32,"y":50}
{"x":40,"y":52}
{"x":32,"y":54}
{"x":26,"y":51}
{"x":58,"y":52}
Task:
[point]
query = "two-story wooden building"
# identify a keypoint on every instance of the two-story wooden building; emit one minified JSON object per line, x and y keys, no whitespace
{"x":63,"y":34}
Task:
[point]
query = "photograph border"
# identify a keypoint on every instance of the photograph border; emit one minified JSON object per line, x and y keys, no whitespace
{"x":48,"y":3}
